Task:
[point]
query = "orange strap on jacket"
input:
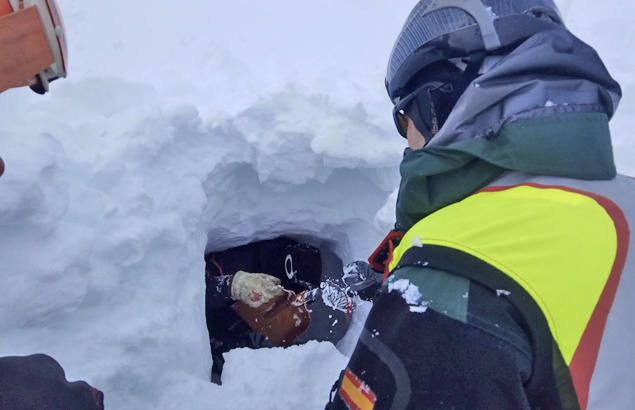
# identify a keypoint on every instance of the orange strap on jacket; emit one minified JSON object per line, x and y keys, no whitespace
{"x":381,"y":257}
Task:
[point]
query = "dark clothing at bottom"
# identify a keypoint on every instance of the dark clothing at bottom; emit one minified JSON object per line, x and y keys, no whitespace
{"x":458,"y":346}
{"x":300,"y":267}
{"x":38,"y":382}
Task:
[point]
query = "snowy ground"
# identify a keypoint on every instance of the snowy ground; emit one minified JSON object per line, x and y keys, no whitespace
{"x":195,"y":124}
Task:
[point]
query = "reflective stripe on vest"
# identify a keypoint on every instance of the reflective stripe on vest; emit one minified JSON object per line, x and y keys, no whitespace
{"x":566,"y":243}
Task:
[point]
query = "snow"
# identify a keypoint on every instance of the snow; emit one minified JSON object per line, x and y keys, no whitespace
{"x":410,"y":294}
{"x":347,"y":345}
{"x":418,"y":309}
{"x":191,"y":125}
{"x":350,"y":271}
{"x":279,"y":379}
{"x":183,"y":129}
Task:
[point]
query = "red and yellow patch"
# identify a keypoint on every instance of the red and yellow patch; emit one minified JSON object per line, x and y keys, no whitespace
{"x":355,"y":393}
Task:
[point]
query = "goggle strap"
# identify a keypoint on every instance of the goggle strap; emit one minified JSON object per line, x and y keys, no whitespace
{"x":434,"y":119}
{"x":420,"y":117}
{"x":24,"y":48}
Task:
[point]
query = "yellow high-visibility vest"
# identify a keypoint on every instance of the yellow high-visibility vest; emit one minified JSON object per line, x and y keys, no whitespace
{"x":568,"y":245}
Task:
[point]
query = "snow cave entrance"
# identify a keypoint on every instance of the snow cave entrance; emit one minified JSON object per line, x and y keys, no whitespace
{"x":307,"y":267}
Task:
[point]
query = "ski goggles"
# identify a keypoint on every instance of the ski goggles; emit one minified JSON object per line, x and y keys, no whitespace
{"x":33,"y":47}
{"x":419,"y":106}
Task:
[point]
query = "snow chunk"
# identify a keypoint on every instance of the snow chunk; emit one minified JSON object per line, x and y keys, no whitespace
{"x":550,"y":103}
{"x":334,"y":297}
{"x":350,"y":271}
{"x":410,"y":293}
{"x":419,"y":309}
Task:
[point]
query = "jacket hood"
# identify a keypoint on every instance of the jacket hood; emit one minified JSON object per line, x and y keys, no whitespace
{"x":551,"y":72}
{"x":543,"y":109}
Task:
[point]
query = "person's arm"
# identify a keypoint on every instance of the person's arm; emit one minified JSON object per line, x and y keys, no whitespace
{"x":437,"y":340}
{"x":218,"y":291}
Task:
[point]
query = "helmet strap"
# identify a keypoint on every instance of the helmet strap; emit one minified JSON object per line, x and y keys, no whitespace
{"x":434,"y":119}
{"x":424,"y":115}
{"x":431,"y":108}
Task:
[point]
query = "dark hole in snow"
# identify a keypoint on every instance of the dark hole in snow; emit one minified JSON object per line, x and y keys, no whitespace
{"x":305,"y":264}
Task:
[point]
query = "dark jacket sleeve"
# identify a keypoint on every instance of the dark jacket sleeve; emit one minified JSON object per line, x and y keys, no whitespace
{"x":430,"y":329}
{"x":218,"y":291}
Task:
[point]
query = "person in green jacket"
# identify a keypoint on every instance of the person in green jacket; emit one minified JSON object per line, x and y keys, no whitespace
{"x":510,"y":274}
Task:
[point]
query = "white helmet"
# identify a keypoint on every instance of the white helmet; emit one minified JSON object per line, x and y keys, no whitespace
{"x":32,"y":44}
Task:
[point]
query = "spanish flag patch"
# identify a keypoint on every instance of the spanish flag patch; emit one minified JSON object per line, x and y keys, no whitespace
{"x":355,"y":393}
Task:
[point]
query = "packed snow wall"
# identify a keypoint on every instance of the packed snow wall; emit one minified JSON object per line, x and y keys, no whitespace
{"x":192,"y":125}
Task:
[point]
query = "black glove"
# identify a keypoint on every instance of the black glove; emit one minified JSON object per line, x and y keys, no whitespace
{"x":362,"y":280}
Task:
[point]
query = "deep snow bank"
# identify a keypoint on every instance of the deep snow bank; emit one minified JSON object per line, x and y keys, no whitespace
{"x":102,"y":242}
{"x":300,"y":165}
{"x":183,"y":121}
{"x":192,"y":124}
